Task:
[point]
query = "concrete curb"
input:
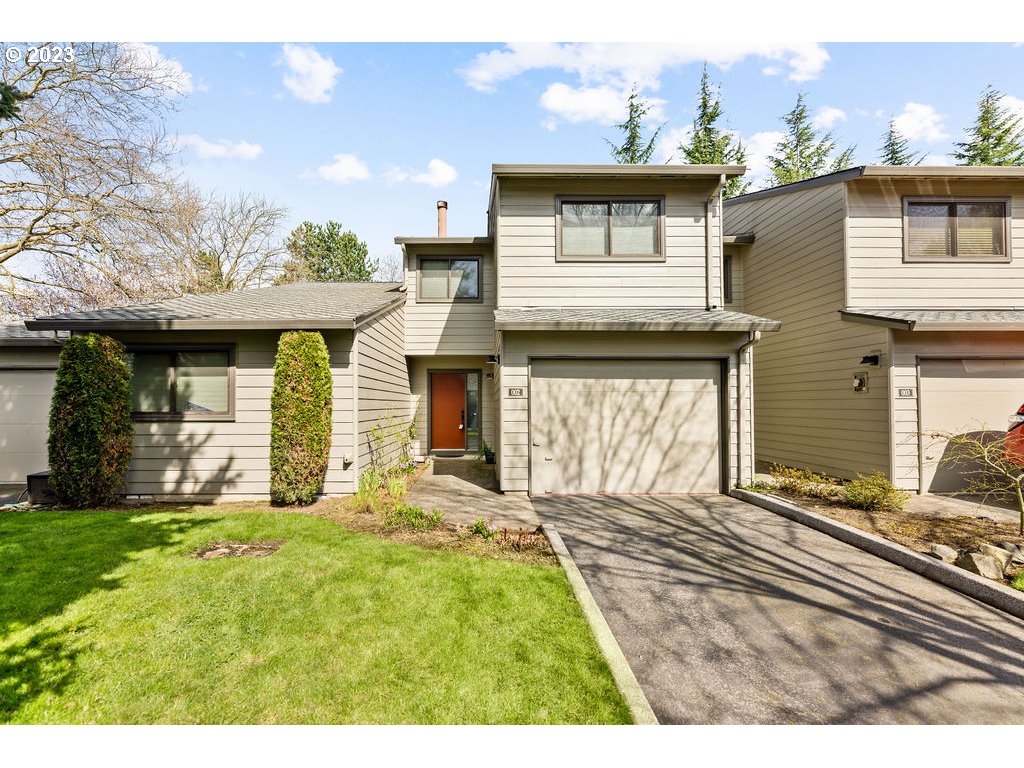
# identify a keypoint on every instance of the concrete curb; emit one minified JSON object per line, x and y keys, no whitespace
{"x":630,"y":689}
{"x":996,"y":595}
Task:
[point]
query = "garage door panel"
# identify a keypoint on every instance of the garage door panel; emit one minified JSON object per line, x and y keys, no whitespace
{"x":625,"y":427}
{"x":975,"y":397}
{"x":24,"y":422}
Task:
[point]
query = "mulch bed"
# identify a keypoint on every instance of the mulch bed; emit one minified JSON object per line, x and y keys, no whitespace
{"x":914,"y":530}
{"x":220,"y":549}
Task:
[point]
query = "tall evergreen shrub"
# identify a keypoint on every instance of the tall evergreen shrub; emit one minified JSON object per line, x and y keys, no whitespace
{"x":300,"y":418}
{"x":91,"y":431}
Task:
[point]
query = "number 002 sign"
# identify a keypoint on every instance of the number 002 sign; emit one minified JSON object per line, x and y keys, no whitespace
{"x":516,"y":392}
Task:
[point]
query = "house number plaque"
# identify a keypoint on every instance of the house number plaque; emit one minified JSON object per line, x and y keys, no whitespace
{"x":905,"y":392}
{"x":516,"y":392}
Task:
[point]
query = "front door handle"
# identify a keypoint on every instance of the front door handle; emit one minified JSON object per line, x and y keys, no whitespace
{"x":462,"y":419}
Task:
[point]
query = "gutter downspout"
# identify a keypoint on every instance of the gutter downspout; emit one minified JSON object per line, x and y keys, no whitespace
{"x":708,"y":249}
{"x":754,"y":337}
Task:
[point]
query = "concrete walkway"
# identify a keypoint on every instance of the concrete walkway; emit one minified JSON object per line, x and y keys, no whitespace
{"x":729,"y":613}
{"x":465,"y":489}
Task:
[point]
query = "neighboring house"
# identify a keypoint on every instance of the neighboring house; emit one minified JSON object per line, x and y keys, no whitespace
{"x":583,"y":338}
{"x":901,"y":293}
{"x":28,"y":366}
{"x":203,"y":370}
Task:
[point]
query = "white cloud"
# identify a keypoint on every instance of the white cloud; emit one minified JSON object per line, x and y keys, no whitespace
{"x":549,"y":123}
{"x":345,"y":168}
{"x":167,"y":71}
{"x":828,"y":117}
{"x":920,"y":122}
{"x":601,"y":104}
{"x":311,"y":75}
{"x":622,"y":64}
{"x":438,"y":174}
{"x":772,"y":70}
{"x":936,"y":159}
{"x":220,"y":148}
{"x":759,"y":146}
{"x":668,"y":142}
{"x":1014,"y":104}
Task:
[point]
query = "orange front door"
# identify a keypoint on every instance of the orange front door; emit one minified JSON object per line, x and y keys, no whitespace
{"x":448,"y":411}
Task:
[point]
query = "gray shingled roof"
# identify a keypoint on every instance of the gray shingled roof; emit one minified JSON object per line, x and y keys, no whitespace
{"x":301,"y":305}
{"x":628,"y":319}
{"x":17,"y":335}
{"x":939,"y":319}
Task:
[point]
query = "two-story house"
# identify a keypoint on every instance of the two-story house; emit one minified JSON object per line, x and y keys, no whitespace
{"x":901,"y":293}
{"x":587,"y":339}
{"x":584,"y":338}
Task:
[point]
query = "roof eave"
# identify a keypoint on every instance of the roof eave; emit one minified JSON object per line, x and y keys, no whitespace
{"x":295,"y":324}
{"x":886,"y":322}
{"x":403,"y":240}
{"x":668,"y":171}
{"x":702,"y":325}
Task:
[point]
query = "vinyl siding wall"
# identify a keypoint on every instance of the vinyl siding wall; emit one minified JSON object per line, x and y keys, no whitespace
{"x":526,"y":243}
{"x":518,"y":347}
{"x":907,"y":346}
{"x":383,"y":388}
{"x":419,"y":367}
{"x":879,"y":277}
{"x":231,"y":460}
{"x":805,"y":411}
{"x":437,"y":328}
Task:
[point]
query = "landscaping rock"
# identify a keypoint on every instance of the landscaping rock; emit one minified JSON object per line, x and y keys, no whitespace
{"x":983,"y":565}
{"x":1015,"y":550}
{"x":998,"y":554}
{"x":943,"y":553}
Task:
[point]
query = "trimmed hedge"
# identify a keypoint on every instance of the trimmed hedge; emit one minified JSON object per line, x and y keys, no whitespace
{"x":300,"y":418}
{"x":91,"y":431}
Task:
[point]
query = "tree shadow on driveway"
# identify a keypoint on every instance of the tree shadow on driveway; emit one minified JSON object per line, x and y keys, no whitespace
{"x":731,"y":614}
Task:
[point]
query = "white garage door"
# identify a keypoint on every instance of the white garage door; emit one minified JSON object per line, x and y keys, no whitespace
{"x":24,"y":420}
{"x":964,"y":396}
{"x":625,"y":426}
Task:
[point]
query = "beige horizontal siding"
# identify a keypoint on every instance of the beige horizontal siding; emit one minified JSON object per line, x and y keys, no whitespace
{"x":879,"y":277}
{"x":518,"y":347}
{"x":231,"y":460}
{"x":805,"y":410}
{"x":419,"y":367}
{"x":383,"y":390}
{"x":530,"y":275}
{"x":462,"y":328}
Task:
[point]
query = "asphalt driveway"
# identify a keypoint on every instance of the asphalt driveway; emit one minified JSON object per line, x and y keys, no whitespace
{"x":728,"y":613}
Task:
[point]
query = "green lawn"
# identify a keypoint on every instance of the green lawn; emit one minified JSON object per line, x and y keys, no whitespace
{"x":105,"y":619}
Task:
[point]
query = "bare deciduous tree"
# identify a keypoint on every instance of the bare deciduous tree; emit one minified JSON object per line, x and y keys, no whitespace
{"x":83,"y":159}
{"x":987,"y":468}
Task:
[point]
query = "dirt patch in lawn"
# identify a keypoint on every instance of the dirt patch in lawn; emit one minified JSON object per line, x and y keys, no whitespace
{"x":517,"y":545}
{"x":220,"y":549}
{"x":915,"y":530}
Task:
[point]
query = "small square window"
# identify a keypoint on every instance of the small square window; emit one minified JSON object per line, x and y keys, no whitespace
{"x":613,"y":229}
{"x":449,"y":279}
{"x":955,"y":230}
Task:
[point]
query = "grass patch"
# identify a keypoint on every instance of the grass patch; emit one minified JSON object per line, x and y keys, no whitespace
{"x":1017,"y":582}
{"x":106,"y":618}
{"x":408,"y":516}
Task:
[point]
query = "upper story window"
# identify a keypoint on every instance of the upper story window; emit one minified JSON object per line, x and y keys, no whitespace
{"x":195,"y":383}
{"x":610,"y":229}
{"x":948,"y":229}
{"x":449,"y":279}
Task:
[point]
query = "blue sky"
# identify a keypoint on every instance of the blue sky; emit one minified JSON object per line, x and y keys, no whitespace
{"x":372,"y":134}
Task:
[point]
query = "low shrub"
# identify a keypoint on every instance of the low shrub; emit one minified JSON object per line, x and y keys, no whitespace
{"x":1018,"y":582}
{"x":368,"y":497}
{"x":874,"y":493}
{"x":409,"y":516}
{"x":396,"y":487}
{"x":91,"y":430}
{"x":484,"y":528}
{"x":804,"y":482}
